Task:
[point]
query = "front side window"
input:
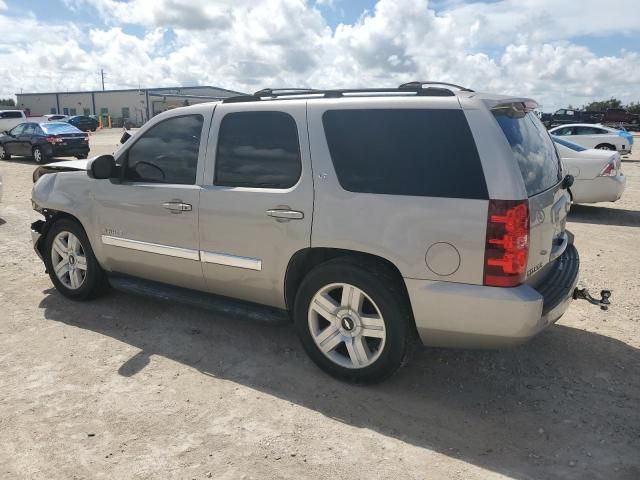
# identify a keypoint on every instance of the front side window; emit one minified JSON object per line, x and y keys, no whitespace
{"x":259,"y":150}
{"x":563,"y":131}
{"x":29,"y":129}
{"x":18,"y":129}
{"x":167,"y":152}
{"x":414,"y":152}
{"x":532,"y":149}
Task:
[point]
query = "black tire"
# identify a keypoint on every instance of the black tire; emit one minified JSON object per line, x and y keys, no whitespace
{"x":95,"y":282}
{"x":3,"y":154}
{"x":38,"y":155}
{"x":605,"y":146}
{"x":389,"y":296}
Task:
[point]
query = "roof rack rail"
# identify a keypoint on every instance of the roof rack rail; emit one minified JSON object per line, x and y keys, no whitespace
{"x":413,"y":85}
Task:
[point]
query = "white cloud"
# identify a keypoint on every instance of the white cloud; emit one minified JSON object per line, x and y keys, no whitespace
{"x":522,"y":47}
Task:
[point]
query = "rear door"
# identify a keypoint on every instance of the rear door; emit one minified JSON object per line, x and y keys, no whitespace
{"x":256,"y":205}
{"x":24,"y":139}
{"x":541,"y":170}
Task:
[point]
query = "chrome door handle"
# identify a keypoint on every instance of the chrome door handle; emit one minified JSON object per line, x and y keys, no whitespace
{"x":285,"y":214}
{"x":177,"y":206}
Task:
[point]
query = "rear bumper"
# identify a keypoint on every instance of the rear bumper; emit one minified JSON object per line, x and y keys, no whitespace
{"x":474,"y":316}
{"x":599,"y":189}
{"x":66,"y":151}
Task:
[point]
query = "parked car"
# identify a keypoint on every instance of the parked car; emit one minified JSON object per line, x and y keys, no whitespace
{"x":597,"y":174}
{"x":595,"y":136}
{"x":620,"y":115}
{"x":11,"y":118}
{"x":54,"y":117}
{"x":348,"y":210}
{"x":43,"y":141}
{"x":567,"y":115}
{"x":84,"y":123}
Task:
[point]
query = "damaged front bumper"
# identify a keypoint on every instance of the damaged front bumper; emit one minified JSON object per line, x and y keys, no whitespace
{"x":37,"y":230}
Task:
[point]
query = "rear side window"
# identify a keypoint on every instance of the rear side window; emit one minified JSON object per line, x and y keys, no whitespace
{"x":11,"y":115}
{"x":416,"y":152}
{"x":258,"y":149}
{"x":532,"y":148}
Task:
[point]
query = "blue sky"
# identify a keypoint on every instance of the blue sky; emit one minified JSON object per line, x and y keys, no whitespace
{"x":560,"y":52}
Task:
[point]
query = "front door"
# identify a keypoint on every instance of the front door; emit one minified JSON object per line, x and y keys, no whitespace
{"x":148,"y":223}
{"x":256,"y":205}
{"x":24,"y":139}
{"x":12,"y":144}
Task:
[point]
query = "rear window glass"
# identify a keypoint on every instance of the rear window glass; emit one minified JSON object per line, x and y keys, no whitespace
{"x":413,"y":152}
{"x":54,"y":128}
{"x":532,"y":148}
{"x":573,"y":146}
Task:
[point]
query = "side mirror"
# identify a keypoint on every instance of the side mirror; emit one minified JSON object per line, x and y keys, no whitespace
{"x":125,"y":136}
{"x":102,"y":167}
{"x":567,"y":181}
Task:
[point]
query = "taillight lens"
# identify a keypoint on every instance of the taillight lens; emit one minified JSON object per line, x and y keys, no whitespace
{"x":609,"y":169}
{"x":52,"y":139}
{"x":507,"y":245}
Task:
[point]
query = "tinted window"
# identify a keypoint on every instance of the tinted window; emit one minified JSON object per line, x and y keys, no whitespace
{"x":563,"y":131}
{"x":405,"y":152}
{"x":258,"y":149}
{"x":532,"y":148}
{"x":54,"y":128}
{"x":30,"y":129}
{"x":167,"y":152}
{"x":11,"y":115}
{"x":588,"y":131}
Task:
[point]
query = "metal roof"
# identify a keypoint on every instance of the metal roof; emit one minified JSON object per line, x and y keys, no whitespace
{"x":155,"y":89}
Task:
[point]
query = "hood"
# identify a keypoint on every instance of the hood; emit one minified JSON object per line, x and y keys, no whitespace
{"x":65,"y":166}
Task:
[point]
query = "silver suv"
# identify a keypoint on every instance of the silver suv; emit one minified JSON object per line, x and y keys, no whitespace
{"x":371,"y":217}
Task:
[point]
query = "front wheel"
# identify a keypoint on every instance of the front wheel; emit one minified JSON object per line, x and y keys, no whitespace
{"x":353,"y":320}
{"x":4,"y":155}
{"x":71,"y":263}
{"x":38,"y":155}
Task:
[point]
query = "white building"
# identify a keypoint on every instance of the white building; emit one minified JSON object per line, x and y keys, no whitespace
{"x":133,"y":105}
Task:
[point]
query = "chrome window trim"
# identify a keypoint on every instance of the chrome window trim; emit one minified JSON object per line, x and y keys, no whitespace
{"x":167,"y":250}
{"x":231,"y":260}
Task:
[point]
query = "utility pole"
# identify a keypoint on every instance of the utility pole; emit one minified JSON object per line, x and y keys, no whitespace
{"x":102,"y":74}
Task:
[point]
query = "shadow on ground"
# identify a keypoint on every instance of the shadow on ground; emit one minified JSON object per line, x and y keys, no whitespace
{"x":604,"y":215}
{"x":562,"y":406}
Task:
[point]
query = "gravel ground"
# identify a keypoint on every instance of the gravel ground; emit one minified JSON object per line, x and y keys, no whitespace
{"x":126,"y":387}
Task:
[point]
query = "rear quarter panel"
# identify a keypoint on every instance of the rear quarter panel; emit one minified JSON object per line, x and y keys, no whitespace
{"x":398,"y":228}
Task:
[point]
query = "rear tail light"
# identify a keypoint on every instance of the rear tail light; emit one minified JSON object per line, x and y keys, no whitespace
{"x":507,"y":246}
{"x":609,"y":169}
{"x":51,"y":139}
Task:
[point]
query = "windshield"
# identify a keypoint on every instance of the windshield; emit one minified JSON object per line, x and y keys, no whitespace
{"x":532,"y":149}
{"x":573,"y":146}
{"x":54,"y":128}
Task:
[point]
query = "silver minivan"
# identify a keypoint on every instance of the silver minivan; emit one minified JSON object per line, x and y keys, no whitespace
{"x":373,"y":218}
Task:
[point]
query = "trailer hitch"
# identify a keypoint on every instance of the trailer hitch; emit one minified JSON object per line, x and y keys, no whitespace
{"x":583,"y":294}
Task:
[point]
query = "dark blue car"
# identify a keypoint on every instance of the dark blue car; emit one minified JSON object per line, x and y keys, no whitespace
{"x":43,"y":141}
{"x":83,"y":123}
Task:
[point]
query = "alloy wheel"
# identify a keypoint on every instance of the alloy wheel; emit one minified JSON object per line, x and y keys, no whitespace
{"x":346,"y":325}
{"x":37,"y":155}
{"x":69,"y":260}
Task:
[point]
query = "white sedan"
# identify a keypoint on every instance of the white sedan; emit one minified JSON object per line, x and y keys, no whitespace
{"x":597,"y":174}
{"x":595,"y":136}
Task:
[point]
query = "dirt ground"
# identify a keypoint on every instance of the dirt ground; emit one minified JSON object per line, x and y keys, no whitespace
{"x":127,"y":387}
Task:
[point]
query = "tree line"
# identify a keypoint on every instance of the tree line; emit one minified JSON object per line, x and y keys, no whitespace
{"x":603,"y":105}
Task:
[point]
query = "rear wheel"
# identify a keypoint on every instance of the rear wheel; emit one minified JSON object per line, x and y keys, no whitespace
{"x":70,"y":262}
{"x":353,"y":320}
{"x":605,"y":146}
{"x":4,"y":155}
{"x":39,"y":155}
